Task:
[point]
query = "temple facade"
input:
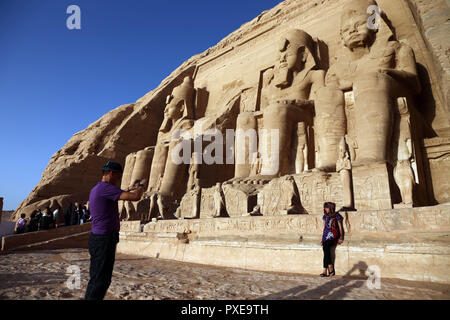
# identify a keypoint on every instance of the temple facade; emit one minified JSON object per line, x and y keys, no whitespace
{"x":344,"y":101}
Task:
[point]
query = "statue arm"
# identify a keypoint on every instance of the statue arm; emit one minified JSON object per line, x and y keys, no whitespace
{"x":333,"y":80}
{"x":318,"y":81}
{"x":406,"y":69}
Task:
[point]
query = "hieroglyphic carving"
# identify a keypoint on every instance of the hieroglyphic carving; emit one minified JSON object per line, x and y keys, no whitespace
{"x":240,"y":197}
{"x":190,"y":204}
{"x":207,"y":203}
{"x":315,"y":188}
{"x":280,"y":197}
{"x":371,"y":187}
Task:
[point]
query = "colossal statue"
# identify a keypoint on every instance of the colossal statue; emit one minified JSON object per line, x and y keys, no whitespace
{"x":290,"y":94}
{"x":378,"y":69}
{"x":165,"y":174}
{"x":178,"y":114}
{"x":290,"y":87}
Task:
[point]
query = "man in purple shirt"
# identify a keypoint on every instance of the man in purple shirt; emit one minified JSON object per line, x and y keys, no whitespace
{"x":106,"y":225}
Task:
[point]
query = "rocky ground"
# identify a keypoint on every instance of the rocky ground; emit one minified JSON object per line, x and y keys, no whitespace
{"x":42,"y":275}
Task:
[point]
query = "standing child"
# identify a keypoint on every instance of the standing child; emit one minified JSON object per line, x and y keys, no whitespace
{"x":333,"y":234}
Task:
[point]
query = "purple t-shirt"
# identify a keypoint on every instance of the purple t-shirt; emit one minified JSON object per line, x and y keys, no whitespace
{"x":331,"y":223}
{"x":104,"y":208}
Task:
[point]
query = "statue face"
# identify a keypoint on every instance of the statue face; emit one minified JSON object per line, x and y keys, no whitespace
{"x":173,"y":108}
{"x":291,"y":58}
{"x":354,"y":31}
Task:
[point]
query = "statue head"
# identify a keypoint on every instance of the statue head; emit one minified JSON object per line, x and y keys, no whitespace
{"x":296,"y":54}
{"x":355,"y":31}
{"x":180,"y":104}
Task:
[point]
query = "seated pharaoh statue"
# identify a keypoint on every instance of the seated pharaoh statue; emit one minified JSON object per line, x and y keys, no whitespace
{"x":290,"y":90}
{"x":377,"y":69}
{"x":166,"y":176}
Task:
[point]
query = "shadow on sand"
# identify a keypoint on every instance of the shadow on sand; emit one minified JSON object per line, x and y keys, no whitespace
{"x":335,"y":288}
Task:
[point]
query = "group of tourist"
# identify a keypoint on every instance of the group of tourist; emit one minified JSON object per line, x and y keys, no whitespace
{"x":75,"y":214}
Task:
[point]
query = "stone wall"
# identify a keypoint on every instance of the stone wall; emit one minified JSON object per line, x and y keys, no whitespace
{"x":431,"y":17}
{"x":438,"y":152}
{"x":64,"y":237}
{"x":410,"y":244}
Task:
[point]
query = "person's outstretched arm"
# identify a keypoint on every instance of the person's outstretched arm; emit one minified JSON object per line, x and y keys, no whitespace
{"x":136,"y":195}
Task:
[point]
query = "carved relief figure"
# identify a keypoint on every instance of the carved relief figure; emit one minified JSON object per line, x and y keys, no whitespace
{"x":290,"y":196}
{"x":219,"y":203}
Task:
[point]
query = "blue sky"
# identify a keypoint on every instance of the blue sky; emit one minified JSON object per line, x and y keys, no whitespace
{"x":54,"y":81}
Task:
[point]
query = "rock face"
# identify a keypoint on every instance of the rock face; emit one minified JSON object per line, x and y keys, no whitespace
{"x":304,"y":74}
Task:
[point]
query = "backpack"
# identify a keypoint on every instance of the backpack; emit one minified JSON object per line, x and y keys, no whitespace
{"x":335,"y":228}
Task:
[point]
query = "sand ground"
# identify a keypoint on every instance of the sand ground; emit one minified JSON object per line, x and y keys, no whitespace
{"x":42,"y":275}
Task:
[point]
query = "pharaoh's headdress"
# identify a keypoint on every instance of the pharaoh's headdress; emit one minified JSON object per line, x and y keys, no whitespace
{"x":185,"y":92}
{"x":299,"y":38}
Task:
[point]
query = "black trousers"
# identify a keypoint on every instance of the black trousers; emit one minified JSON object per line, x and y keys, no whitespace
{"x":102,"y":248}
{"x":329,"y":248}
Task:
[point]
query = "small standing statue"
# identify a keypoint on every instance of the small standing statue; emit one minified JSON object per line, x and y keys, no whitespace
{"x":344,"y":167}
{"x":256,"y":166}
{"x":195,"y":194}
{"x":403,"y":172}
{"x":218,"y":201}
{"x":160,"y":204}
{"x":301,"y":156}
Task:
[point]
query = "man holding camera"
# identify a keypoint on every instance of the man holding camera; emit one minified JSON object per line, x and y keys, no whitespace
{"x":103,"y":204}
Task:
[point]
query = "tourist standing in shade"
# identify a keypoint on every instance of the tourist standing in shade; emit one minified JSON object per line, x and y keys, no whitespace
{"x":68,"y":215}
{"x":43,"y":222}
{"x":76,"y":215}
{"x":56,"y":215}
{"x":39,"y":214}
{"x":86,"y":216}
{"x":105,"y":226}
{"x":32,"y":226}
{"x":333,"y":234}
{"x":48,"y":212}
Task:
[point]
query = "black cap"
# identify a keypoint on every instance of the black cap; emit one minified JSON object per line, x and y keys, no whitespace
{"x":112,"y":166}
